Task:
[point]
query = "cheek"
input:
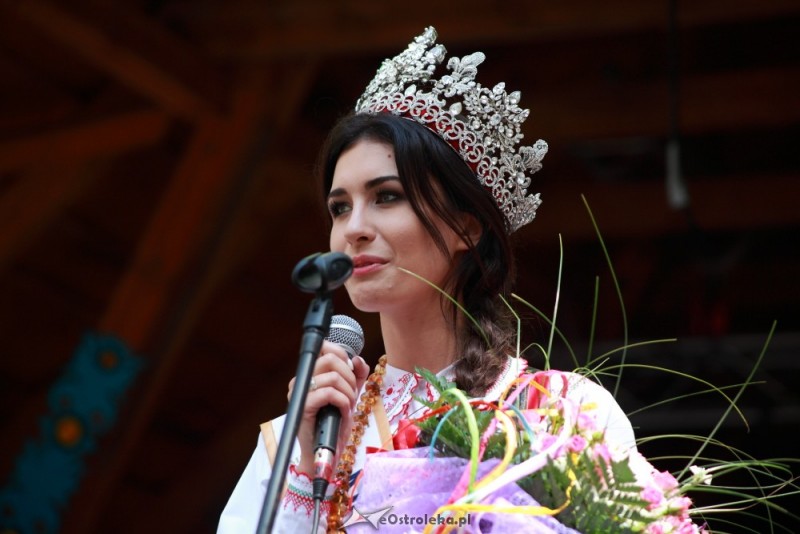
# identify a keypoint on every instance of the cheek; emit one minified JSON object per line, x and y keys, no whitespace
{"x":335,"y":241}
{"x":428,"y":258}
{"x":410,"y":244}
{"x":438,"y":267}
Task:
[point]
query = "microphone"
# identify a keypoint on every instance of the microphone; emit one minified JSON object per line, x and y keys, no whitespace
{"x":348,"y":334}
{"x":322,"y":273}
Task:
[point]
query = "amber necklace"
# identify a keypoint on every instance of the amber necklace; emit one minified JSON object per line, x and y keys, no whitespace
{"x":341,"y":478}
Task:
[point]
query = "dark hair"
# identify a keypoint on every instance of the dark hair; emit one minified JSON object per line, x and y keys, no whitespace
{"x":485,"y":271}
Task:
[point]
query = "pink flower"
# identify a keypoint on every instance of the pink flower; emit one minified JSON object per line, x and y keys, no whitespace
{"x":532,"y":417}
{"x":665,"y":480}
{"x":547,"y":440}
{"x":653,"y":496}
{"x":576,"y":444}
{"x":681,"y":503}
{"x":681,"y":526}
{"x":600,"y":450}
{"x":586,"y":422}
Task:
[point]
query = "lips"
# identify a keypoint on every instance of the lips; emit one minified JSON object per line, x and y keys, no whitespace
{"x":365,"y":264}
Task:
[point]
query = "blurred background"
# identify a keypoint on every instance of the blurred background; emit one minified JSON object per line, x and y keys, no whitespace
{"x":156,"y":190}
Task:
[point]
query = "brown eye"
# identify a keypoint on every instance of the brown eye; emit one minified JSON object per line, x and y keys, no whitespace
{"x":384,"y":197}
{"x":337,"y":208}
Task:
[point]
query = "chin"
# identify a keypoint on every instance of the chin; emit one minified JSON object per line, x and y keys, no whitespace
{"x":363,"y":301}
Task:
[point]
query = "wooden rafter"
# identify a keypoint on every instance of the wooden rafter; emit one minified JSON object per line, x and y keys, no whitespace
{"x":638,"y":210}
{"x":114,"y":47}
{"x":293,"y":29}
{"x":243,"y":232}
{"x":713,"y":103}
{"x":99,"y":138}
{"x":36,"y":200}
{"x":181,"y":258}
{"x":225,"y":449}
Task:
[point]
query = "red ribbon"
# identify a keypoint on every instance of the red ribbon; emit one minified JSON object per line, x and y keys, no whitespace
{"x":407,"y":435}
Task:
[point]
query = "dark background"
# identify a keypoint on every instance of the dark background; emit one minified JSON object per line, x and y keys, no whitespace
{"x":156,"y":162}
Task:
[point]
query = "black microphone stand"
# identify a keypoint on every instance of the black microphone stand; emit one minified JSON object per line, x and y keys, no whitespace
{"x":315,"y":330}
{"x":319,"y":274}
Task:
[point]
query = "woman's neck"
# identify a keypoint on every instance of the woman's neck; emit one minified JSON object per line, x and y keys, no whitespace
{"x":421,"y":337}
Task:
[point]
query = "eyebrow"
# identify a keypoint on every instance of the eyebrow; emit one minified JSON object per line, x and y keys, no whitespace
{"x":370,"y":184}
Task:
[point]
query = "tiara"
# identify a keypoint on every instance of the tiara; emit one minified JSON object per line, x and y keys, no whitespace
{"x":481,"y":124}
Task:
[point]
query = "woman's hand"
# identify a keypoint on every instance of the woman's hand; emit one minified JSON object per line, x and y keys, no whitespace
{"x":337,"y":380}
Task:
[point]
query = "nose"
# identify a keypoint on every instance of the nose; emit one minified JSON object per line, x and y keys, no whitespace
{"x":359,"y":226}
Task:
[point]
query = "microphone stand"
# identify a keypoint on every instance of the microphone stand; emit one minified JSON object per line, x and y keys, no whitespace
{"x":315,"y":330}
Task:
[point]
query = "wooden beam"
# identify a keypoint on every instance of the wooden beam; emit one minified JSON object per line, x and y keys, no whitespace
{"x":184,"y":218}
{"x":755,"y":98}
{"x":28,"y":207}
{"x":727,"y":101}
{"x":640,"y":210}
{"x":270,"y":189}
{"x":185,"y":215}
{"x":189,"y":494}
{"x":111,"y":44}
{"x":36,"y":199}
{"x":302,"y":29}
{"x":160,"y":296}
{"x":95,"y":139}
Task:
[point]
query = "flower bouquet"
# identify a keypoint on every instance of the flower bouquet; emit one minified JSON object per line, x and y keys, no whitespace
{"x":532,"y":462}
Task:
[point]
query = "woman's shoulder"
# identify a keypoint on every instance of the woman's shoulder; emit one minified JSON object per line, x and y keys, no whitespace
{"x":576,"y":386}
{"x":513,"y":368}
{"x":563,"y":383}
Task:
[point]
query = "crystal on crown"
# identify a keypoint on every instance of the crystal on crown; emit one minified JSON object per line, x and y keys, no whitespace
{"x":483,"y":125}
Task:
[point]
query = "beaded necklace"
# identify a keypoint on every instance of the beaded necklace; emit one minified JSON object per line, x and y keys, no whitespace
{"x":340,"y":501}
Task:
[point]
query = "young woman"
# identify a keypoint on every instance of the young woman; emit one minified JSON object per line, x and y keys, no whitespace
{"x":412,"y":188}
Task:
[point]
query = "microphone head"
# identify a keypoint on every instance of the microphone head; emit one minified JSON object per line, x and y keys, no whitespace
{"x":346,"y":331}
{"x":322,"y":273}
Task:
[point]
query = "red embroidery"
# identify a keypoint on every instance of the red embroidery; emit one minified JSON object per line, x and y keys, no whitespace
{"x":299,"y":499}
{"x":302,"y":476}
{"x":296,"y":502}
{"x":396,"y":402}
{"x":431,"y":393}
{"x":400,"y":392}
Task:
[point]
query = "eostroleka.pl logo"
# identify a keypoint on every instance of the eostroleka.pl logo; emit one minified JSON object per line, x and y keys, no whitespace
{"x":384,"y":516}
{"x":373,"y":518}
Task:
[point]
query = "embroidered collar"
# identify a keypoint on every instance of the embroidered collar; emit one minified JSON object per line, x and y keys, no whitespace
{"x":400,"y":387}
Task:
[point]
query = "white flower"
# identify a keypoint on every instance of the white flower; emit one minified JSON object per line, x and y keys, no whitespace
{"x":700,"y":475}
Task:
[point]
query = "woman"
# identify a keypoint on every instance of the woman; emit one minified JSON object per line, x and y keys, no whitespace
{"x":415,"y":187}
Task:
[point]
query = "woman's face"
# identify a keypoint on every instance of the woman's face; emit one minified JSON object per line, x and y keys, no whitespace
{"x":374,"y":223}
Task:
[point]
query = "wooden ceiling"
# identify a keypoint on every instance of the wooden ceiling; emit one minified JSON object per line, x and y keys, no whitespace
{"x":156,"y":163}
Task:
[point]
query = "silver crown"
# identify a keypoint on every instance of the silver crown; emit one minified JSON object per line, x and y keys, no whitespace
{"x":483,"y":125}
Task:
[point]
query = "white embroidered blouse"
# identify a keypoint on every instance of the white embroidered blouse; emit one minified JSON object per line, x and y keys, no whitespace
{"x":242,"y":512}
